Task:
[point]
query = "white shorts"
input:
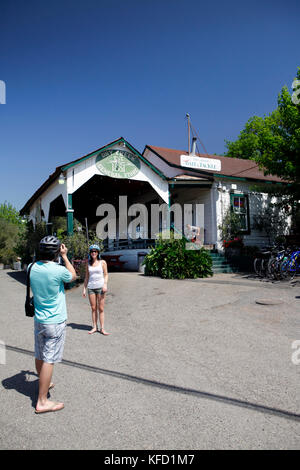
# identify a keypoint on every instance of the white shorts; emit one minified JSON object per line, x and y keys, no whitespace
{"x":49,"y":341}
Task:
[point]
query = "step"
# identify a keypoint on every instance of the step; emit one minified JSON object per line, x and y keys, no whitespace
{"x":228,"y":269}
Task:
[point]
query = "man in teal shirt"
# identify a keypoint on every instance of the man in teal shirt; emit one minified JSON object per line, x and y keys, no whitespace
{"x":47,"y":279}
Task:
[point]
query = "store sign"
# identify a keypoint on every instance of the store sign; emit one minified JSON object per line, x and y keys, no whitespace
{"x":118,"y":163}
{"x":199,"y":163}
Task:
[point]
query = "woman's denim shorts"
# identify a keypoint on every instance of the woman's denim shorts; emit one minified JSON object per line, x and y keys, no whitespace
{"x":95,"y":291}
{"x":49,"y":341}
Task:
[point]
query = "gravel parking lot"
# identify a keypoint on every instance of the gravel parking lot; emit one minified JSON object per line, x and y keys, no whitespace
{"x":195,"y":364}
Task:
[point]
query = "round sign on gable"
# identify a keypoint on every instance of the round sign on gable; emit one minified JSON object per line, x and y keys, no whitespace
{"x":118,"y":163}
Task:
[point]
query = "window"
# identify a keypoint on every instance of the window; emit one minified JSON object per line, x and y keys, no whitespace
{"x":240,"y":206}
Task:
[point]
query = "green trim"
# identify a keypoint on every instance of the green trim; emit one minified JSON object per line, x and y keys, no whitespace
{"x":91,"y":154}
{"x":70,"y":221}
{"x":207,"y":184}
{"x":70,"y":201}
{"x":246,"y":231}
{"x":70,"y":224}
{"x":146,"y":161}
{"x":102,"y":149}
{"x":216,"y":175}
{"x":201,"y":172}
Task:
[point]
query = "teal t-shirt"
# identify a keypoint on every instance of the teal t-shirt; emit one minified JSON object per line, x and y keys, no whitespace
{"x":47,"y":285}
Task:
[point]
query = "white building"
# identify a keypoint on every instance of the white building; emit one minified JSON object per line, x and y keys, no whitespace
{"x":157,"y":176}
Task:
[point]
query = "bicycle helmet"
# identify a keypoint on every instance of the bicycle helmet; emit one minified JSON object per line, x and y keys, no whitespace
{"x":49,"y":244}
{"x":94,"y":247}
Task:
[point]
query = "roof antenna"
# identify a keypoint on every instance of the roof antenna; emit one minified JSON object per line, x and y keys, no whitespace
{"x":197,"y":136}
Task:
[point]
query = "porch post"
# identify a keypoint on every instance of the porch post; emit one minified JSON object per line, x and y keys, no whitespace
{"x":214,"y":217}
{"x":70,"y":211}
{"x":169,"y":196}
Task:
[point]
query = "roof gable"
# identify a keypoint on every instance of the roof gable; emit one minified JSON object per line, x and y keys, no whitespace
{"x":73,"y":163}
{"x":230,"y":167}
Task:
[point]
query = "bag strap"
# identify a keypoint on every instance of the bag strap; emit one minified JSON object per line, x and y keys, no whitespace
{"x":28,"y":281}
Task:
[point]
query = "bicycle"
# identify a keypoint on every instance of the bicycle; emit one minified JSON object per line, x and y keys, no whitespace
{"x":261,"y":262}
{"x":290,"y":265}
{"x":273,"y":268}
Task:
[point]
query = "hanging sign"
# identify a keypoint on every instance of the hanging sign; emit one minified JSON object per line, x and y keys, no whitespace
{"x":200,"y":163}
{"x":118,"y":163}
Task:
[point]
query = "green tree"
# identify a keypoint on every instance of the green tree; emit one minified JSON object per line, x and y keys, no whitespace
{"x":11,"y":225}
{"x":273,"y":141}
{"x":27,"y":245}
{"x":10,"y":213}
{"x":8,"y":239}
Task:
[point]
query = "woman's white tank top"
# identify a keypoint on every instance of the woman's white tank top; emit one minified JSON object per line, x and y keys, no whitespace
{"x":96,"y":276}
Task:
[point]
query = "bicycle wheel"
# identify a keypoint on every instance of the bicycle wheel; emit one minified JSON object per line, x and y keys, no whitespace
{"x":271,"y":267}
{"x":277,"y":273}
{"x":292,"y":268}
{"x":285,"y":269}
{"x":257,"y":266}
{"x":264,"y":267}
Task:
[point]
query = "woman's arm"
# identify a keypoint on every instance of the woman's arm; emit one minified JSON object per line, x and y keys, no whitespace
{"x":86,"y":280}
{"x":105,"y":273}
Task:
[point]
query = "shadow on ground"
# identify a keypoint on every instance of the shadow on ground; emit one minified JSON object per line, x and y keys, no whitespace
{"x":19,"y":276}
{"x":21,"y":383}
{"x":77,"y":326}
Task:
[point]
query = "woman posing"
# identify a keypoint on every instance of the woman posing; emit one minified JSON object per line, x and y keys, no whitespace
{"x":96,"y":277}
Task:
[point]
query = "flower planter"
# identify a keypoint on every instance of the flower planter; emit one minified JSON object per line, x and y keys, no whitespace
{"x":232,"y":253}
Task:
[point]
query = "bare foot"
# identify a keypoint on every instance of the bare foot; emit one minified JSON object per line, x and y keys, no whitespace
{"x":103,"y":332}
{"x":93,"y":330}
{"x":48,"y":406}
{"x":51,"y":385}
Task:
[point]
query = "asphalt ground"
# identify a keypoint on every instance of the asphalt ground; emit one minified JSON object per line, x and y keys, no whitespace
{"x":193,"y":364}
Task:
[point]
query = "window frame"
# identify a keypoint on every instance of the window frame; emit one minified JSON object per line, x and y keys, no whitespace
{"x":246,"y":197}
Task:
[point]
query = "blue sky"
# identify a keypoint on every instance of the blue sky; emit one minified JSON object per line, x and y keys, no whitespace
{"x":81,"y":73}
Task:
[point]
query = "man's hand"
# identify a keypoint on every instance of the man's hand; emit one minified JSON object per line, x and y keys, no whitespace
{"x":68,"y":265}
{"x":63,"y":250}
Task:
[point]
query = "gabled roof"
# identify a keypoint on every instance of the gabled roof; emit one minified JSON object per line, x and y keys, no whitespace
{"x":68,"y":165}
{"x":230,"y":167}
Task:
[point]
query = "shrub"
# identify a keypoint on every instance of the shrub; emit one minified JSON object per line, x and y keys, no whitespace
{"x":11,"y":225}
{"x":8,"y":236}
{"x":169,"y":259}
{"x":28,"y":242}
{"x":78,"y":246}
{"x":230,"y":227}
{"x":236,"y":243}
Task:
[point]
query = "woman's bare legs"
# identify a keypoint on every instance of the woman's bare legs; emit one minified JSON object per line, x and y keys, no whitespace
{"x":100,"y":308}
{"x":93,"y":303}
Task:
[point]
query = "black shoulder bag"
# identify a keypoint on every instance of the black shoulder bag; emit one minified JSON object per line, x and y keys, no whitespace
{"x":29,"y":303}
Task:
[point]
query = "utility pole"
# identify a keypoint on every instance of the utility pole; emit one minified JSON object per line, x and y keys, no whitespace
{"x":188,"y":119}
{"x":87,"y":231}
